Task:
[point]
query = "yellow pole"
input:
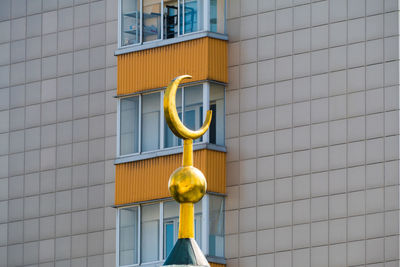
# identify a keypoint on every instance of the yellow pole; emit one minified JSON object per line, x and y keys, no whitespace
{"x":187,"y":152}
{"x":186,"y":210}
{"x":186,"y":220}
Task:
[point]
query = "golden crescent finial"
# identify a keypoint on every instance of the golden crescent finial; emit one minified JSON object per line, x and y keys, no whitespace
{"x":171,"y":115}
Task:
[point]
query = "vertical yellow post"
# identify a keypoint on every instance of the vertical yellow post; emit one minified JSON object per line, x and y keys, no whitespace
{"x":186,"y":220}
{"x":186,"y":210}
{"x":187,"y":152}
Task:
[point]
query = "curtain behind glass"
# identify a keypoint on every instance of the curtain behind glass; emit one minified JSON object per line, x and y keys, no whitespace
{"x":216,"y":238}
{"x":150,"y":122}
{"x":129,"y":125}
{"x":128,"y":236}
{"x":150,"y":232}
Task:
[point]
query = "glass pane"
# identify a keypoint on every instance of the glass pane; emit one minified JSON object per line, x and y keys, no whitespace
{"x":217,"y":16}
{"x":150,"y":122}
{"x":170,"y":19}
{"x":149,"y":232}
{"x":193,"y":107}
{"x":171,"y":225}
{"x":169,"y":232}
{"x":170,"y":140}
{"x":193,"y":16}
{"x":130,"y":22}
{"x":128,"y":236}
{"x":217,"y":105}
{"x":151,"y":20}
{"x":197,"y":222}
{"x":216,"y":239}
{"x":129,"y":122}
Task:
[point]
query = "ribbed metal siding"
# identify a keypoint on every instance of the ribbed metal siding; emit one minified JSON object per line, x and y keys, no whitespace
{"x":148,"y":179}
{"x":203,"y":58}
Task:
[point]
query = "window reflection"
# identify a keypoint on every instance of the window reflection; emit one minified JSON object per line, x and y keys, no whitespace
{"x":170,"y":140}
{"x":128,"y":235}
{"x":141,"y":129}
{"x":193,"y":110}
{"x":217,"y":16}
{"x":151,"y":20}
{"x":150,"y":122}
{"x":216,"y":239}
{"x":149,"y":232}
{"x":130,"y":22}
{"x":129,"y":125}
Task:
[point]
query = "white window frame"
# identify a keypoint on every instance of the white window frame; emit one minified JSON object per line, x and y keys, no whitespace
{"x":206,"y":106}
{"x":205,"y":26}
{"x":204,"y":237}
{"x":117,"y":237}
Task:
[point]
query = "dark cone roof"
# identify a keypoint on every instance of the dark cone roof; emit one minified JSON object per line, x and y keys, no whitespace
{"x":186,"y":252}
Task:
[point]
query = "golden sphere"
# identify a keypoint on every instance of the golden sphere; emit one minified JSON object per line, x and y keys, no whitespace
{"x":187,"y":184}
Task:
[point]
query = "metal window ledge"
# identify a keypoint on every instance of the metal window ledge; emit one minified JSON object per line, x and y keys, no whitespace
{"x":166,"y":152}
{"x":164,"y":42}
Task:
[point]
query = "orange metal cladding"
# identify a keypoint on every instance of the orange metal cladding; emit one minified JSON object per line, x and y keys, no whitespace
{"x":203,"y":58}
{"x":148,"y":179}
{"x":212,"y":264}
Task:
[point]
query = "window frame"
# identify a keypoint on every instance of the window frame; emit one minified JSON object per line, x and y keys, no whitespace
{"x":204,"y":227}
{"x":117,"y":253}
{"x":206,"y":23}
{"x":206,"y":106}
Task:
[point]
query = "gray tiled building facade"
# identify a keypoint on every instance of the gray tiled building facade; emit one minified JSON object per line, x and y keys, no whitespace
{"x":312,"y":133}
{"x":57,"y":132}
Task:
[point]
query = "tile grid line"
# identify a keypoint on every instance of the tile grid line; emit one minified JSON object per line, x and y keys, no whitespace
{"x":72,"y":125}
{"x":9,"y":139}
{"x":309,"y":144}
{"x":365,"y":141}
{"x":328,"y":2}
{"x":40,"y":139}
{"x":291,"y":130}
{"x":56,"y":148}
{"x":347,"y":136}
{"x":257,"y":116}
{"x":274,"y":129}
{"x":88,"y":147}
{"x":24,"y":136}
{"x":384,"y":133}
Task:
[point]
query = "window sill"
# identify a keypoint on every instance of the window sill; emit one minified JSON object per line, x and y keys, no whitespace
{"x":159,"y":43}
{"x":166,"y":152}
{"x":212,"y":259}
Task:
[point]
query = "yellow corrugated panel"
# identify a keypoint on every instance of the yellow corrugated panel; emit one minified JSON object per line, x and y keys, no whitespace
{"x":213,"y":264}
{"x":203,"y":58}
{"x":148,"y":179}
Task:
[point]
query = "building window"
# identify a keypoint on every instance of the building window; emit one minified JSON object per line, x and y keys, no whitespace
{"x":149,"y":232}
{"x":142,"y":127}
{"x":129,"y":125}
{"x":128,"y":234}
{"x":155,"y":227}
{"x":151,"y":20}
